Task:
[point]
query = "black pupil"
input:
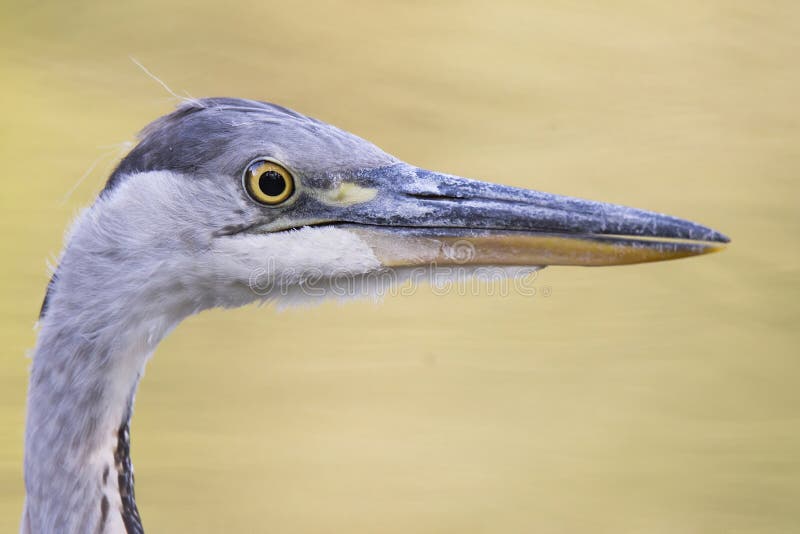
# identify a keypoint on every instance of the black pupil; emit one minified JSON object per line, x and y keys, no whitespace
{"x":272,"y":183}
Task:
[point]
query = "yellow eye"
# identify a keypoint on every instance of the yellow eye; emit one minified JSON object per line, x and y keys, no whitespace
{"x":268,"y":183}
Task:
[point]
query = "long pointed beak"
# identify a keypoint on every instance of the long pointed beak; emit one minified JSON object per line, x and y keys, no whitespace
{"x":419,"y":217}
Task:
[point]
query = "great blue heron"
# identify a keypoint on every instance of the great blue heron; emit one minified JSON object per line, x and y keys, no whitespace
{"x":221,"y":189}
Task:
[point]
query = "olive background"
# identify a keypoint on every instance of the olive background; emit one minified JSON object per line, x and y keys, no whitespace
{"x":654,"y":398}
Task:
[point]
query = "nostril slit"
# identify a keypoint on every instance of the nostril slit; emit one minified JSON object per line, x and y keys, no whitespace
{"x":431,"y":196}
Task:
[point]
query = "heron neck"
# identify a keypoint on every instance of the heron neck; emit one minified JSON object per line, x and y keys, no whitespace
{"x":78,"y":472}
{"x":137,"y":262}
{"x":89,"y":357}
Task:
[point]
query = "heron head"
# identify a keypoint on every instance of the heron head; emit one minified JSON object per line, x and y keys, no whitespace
{"x":228,"y":201}
{"x":238,"y":199}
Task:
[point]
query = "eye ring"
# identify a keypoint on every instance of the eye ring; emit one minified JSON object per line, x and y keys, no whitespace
{"x":268,"y":182}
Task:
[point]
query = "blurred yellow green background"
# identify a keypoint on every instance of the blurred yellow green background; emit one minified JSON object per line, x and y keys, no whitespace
{"x":660,"y":398}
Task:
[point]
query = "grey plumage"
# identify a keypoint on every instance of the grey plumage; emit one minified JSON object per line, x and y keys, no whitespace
{"x":214,"y":136}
